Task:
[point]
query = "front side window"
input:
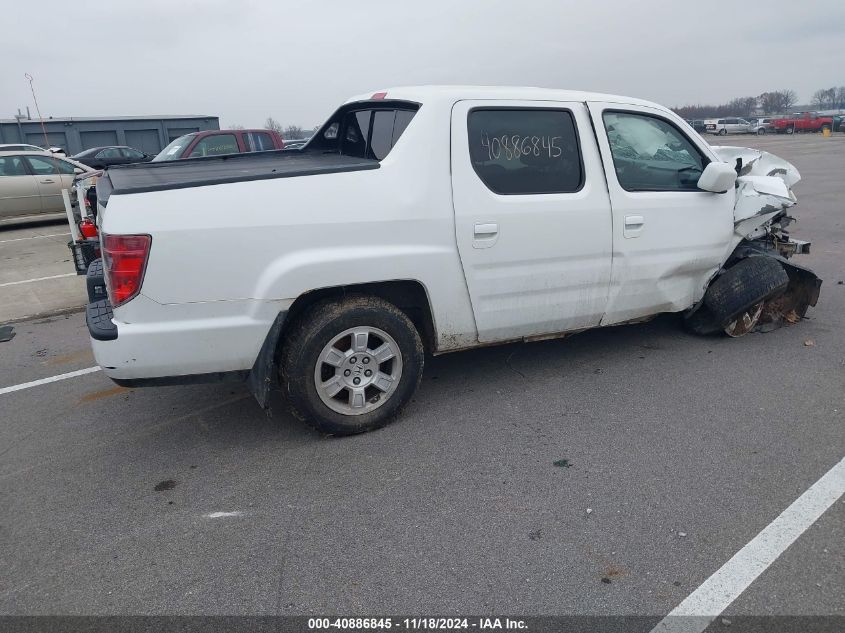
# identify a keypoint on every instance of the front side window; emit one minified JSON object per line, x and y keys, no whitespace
{"x":65,"y":167}
{"x":525,"y":151}
{"x":175,"y":149}
{"x":215,"y":145}
{"x":12,"y":166}
{"x":651,"y":154}
{"x":42,"y":166}
{"x":132,"y":154}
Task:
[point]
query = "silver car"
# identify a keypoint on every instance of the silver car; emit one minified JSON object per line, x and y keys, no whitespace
{"x":31,"y":183}
{"x":728,"y":125}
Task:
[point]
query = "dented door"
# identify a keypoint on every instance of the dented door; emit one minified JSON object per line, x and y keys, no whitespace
{"x":669,"y":237}
{"x":532,"y":216}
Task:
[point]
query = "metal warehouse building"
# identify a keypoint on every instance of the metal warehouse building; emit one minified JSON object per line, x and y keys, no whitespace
{"x":149,"y":134}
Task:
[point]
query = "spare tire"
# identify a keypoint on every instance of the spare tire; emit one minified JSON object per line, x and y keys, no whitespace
{"x":746,"y":283}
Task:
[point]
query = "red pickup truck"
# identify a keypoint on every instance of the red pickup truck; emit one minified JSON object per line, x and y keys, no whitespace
{"x":220,"y":142}
{"x":802,"y":122}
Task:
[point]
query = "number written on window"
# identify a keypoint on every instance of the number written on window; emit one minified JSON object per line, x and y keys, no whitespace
{"x":525,"y":151}
{"x":513,"y":146}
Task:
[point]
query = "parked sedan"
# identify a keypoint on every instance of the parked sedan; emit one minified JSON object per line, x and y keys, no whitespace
{"x":761,"y":126}
{"x":26,"y":147}
{"x":102,"y":157}
{"x":32,"y":182}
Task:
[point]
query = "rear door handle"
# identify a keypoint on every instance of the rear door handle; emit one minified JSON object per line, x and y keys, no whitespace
{"x":486,"y":230}
{"x":485,"y":235}
{"x":633,"y":225}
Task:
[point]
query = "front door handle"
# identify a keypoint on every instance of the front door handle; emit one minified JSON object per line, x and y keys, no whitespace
{"x":47,"y":181}
{"x":485,"y":235}
{"x":633,"y":225}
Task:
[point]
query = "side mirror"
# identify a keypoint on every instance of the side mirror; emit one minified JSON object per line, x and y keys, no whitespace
{"x":717,"y":177}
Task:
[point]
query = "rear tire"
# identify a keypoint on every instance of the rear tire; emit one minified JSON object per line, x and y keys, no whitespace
{"x":750,"y":281}
{"x":350,"y":365}
{"x":790,"y":130}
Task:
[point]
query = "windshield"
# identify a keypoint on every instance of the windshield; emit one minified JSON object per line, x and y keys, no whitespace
{"x":174,"y":150}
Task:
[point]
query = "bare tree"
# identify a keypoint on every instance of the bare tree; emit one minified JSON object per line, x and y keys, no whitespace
{"x":293,"y":132}
{"x":742,"y":106}
{"x":272,"y":124}
{"x":777,"y":101}
{"x":840,"y":97}
{"x":825,"y":98}
{"x":788,"y":98}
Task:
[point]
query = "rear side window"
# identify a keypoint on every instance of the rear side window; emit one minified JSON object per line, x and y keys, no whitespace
{"x":364,"y":132}
{"x":12,"y":166}
{"x":525,"y":151}
{"x":258,"y":141}
{"x":215,"y":145}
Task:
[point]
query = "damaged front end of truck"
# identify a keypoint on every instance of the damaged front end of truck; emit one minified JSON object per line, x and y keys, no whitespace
{"x":758,"y":288}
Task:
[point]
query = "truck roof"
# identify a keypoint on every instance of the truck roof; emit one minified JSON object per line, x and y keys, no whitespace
{"x":422,"y":94}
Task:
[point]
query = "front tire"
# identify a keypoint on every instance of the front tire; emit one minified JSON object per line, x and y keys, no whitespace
{"x":749,"y":282}
{"x":790,"y":130}
{"x":723,"y":132}
{"x":350,"y":365}
{"x":761,"y":131}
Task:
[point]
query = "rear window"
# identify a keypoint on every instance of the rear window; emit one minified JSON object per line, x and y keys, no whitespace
{"x":364,"y":130}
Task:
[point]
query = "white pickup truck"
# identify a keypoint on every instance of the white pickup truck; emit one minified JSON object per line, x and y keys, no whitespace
{"x":432,"y":219}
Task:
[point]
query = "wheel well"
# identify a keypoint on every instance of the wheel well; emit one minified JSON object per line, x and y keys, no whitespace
{"x":407,"y":295}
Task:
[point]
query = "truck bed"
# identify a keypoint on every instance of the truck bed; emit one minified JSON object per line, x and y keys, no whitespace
{"x":201,"y":172}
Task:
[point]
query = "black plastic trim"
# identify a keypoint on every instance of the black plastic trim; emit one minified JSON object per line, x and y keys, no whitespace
{"x":190,"y":379}
{"x":216,"y":170}
{"x":98,"y":317}
{"x":95,"y":281}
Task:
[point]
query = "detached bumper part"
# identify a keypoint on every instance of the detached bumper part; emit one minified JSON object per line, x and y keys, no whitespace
{"x":98,"y":317}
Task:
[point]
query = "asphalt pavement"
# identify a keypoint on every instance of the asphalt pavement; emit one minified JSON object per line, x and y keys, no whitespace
{"x":190,"y":500}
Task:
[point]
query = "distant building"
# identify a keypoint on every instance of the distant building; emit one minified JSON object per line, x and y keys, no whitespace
{"x":149,"y":134}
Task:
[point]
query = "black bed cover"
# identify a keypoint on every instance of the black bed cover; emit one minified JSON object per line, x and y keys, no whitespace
{"x":217,"y":170}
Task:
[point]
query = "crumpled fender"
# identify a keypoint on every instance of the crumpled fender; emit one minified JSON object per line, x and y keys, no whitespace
{"x":764,"y":185}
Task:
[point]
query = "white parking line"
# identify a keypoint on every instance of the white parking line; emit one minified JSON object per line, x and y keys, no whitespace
{"x":29,"y":281}
{"x":44,"y":381}
{"x":704,"y":604}
{"x":34,"y":237}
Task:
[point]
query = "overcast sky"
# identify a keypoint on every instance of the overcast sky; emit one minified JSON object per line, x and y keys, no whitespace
{"x":243,"y":60}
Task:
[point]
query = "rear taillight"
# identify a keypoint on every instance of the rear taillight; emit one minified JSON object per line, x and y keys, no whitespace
{"x":124,"y":261}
